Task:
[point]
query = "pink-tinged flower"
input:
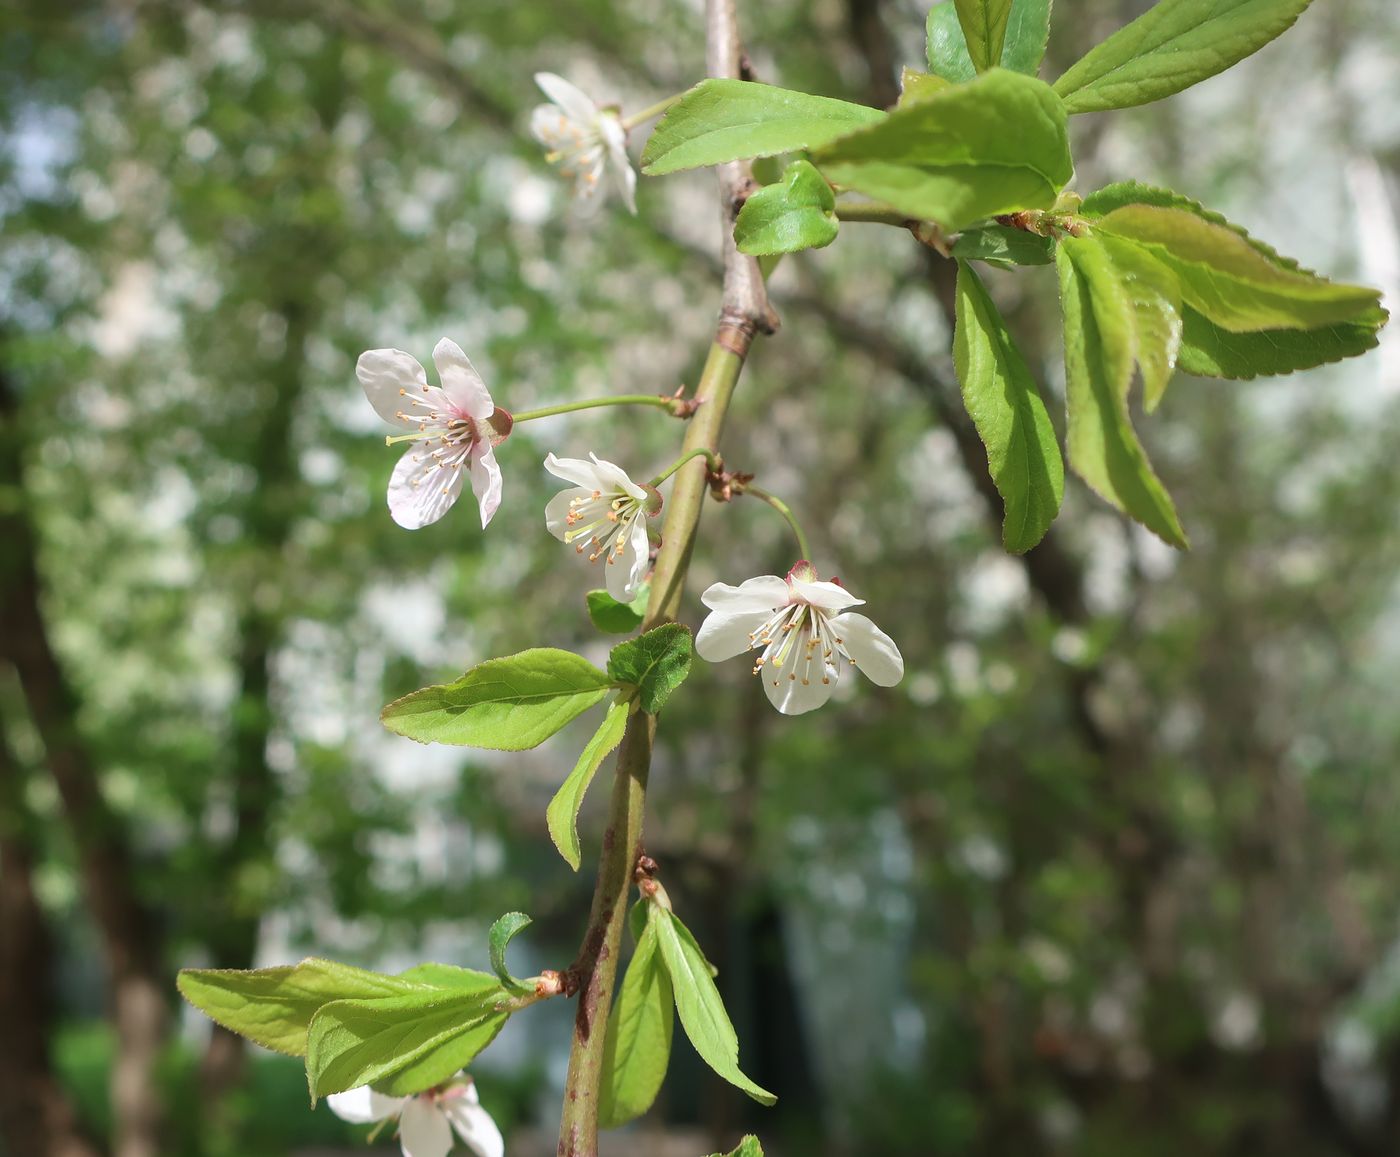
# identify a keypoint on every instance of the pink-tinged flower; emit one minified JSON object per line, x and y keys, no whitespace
{"x":605,"y":513}
{"x":427,"y":1120}
{"x":456,"y":428}
{"x":804,"y":631}
{"x":583,"y":140}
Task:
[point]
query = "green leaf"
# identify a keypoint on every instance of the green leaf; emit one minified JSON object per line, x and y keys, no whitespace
{"x":638,"y":1045}
{"x":562,"y":814}
{"x":1211,"y":352}
{"x":617,"y":618}
{"x":503,"y":931}
{"x":1010,"y":415}
{"x":1003,"y":246}
{"x":1155,"y":296}
{"x":273,"y":1006}
{"x":797,"y":213}
{"x":730,"y":120}
{"x":1171,"y":46}
{"x":748,"y":1147}
{"x":1099,"y":352}
{"x":984,"y":29}
{"x":698,"y":1001}
{"x":656,"y":663}
{"x":975,"y":150}
{"x":1027,"y":33}
{"x":917,"y":86}
{"x":1235,"y":282}
{"x":449,"y":976}
{"x":402,"y":1044}
{"x":504,"y":704}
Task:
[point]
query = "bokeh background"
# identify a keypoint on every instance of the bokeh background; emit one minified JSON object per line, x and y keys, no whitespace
{"x":1113,"y":871}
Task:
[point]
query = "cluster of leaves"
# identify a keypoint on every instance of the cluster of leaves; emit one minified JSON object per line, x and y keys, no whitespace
{"x":979,"y":146}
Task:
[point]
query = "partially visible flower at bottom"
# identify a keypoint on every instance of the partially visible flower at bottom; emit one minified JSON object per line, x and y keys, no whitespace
{"x":427,"y":1120}
{"x":805,"y":632}
{"x":605,"y":514}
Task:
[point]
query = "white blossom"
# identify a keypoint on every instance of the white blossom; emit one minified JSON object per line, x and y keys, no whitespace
{"x":427,"y":1120}
{"x":604,"y":513}
{"x":804,"y":631}
{"x":456,"y":427}
{"x":583,"y":140}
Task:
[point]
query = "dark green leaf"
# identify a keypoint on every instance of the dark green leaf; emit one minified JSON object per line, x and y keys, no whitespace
{"x":698,"y":1001}
{"x":505,"y":704}
{"x":656,"y":663}
{"x":562,"y":814}
{"x":1099,"y":351}
{"x":984,"y":29}
{"x":614,"y":617}
{"x":1171,"y":46}
{"x":1211,"y":352}
{"x":502,"y":932}
{"x":1010,"y":415}
{"x":729,"y":120}
{"x":797,"y":213}
{"x":1003,"y":246}
{"x":975,"y":150}
{"x":1027,"y":33}
{"x":946,"y":45}
{"x":638,"y":1045}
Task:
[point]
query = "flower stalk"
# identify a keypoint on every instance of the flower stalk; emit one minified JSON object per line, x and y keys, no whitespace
{"x":712,"y":459}
{"x":665,"y":401}
{"x":804,"y":549}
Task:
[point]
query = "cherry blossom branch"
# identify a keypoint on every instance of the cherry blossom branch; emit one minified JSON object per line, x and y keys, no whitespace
{"x":744,"y":312}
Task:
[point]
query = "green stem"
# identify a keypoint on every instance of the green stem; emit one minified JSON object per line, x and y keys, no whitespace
{"x":593,"y":404}
{"x":786,"y":511}
{"x":873,"y":212}
{"x":711,"y":457}
{"x":655,"y":110}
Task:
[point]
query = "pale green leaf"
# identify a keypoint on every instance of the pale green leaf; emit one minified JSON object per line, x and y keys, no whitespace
{"x":1010,"y":415}
{"x":655,"y":663}
{"x":1211,"y":352}
{"x":502,"y":932}
{"x":1171,"y":46}
{"x":562,"y":814}
{"x":698,"y":1001}
{"x":984,"y":29}
{"x":1155,"y":296}
{"x":730,"y":120}
{"x":638,"y":1045}
{"x":1099,"y":358}
{"x":1027,"y":33}
{"x":799,"y":212}
{"x":505,"y":704}
{"x":916,"y":86}
{"x":975,"y":150}
{"x":946,"y":45}
{"x":748,"y":1147}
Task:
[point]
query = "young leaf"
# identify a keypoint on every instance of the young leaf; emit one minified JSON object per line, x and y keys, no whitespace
{"x":562,"y":814}
{"x":1211,"y":352}
{"x":656,"y":663}
{"x":1236,"y":283}
{"x":273,"y":1006}
{"x":504,"y":704}
{"x":616,"y":618}
{"x":797,"y":213}
{"x":1003,"y":246}
{"x":638,"y":1044}
{"x":1010,"y":415}
{"x":748,"y":1147}
{"x":1155,"y":296}
{"x":450,"y":978}
{"x":698,"y":1001}
{"x":917,"y":86}
{"x":1027,"y":33}
{"x":984,"y":29}
{"x":993,"y":145}
{"x":730,"y":120}
{"x":394,"y":1042}
{"x":946,"y":45}
{"x":503,"y":931}
{"x":1171,"y":46}
{"x":1099,"y":351}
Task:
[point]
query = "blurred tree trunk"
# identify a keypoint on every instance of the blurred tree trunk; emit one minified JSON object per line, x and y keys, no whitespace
{"x":138,"y":990}
{"x":37,"y":1118}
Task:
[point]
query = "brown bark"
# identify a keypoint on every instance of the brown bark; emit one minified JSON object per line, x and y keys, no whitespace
{"x":129,"y":935}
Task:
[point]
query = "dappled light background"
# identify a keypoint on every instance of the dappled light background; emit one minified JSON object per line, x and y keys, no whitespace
{"x":1113,"y":870}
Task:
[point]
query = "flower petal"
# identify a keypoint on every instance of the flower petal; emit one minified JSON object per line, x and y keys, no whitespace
{"x":421,"y":491}
{"x":556,"y":513}
{"x":460,"y":381}
{"x":624,"y":573}
{"x":615,"y":137}
{"x":486,"y":483}
{"x":766,"y":592}
{"x":385,"y":374}
{"x":614,"y":477}
{"x":830,"y":597}
{"x":475,"y":1126}
{"x":872,"y":650}
{"x":423,"y":1130}
{"x":576,"y":104}
{"x":575,"y":470}
{"x":792,"y":696}
{"x":727,"y":633}
{"x":363,"y":1105}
